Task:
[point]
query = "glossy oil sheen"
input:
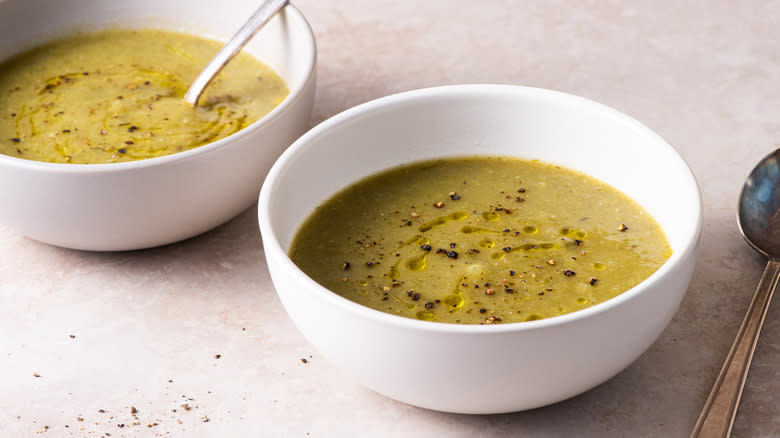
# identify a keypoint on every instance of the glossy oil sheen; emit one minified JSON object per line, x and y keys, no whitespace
{"x":117,"y":95}
{"x":479,"y":240}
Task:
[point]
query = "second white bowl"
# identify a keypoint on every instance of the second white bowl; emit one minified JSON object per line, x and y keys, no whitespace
{"x":152,"y":202}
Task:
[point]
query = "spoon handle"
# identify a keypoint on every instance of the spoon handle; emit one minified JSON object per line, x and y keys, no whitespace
{"x":717,"y":416}
{"x":264,"y":13}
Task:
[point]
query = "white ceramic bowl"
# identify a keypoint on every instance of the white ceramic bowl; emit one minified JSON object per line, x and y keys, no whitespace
{"x":160,"y":200}
{"x":481,"y":368}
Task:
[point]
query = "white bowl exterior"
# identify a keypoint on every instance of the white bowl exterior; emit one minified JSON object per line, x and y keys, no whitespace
{"x":481,"y":369}
{"x":162,"y":200}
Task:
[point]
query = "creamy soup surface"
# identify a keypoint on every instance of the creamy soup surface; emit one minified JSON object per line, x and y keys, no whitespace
{"x":479,"y":240}
{"x":116,"y":95}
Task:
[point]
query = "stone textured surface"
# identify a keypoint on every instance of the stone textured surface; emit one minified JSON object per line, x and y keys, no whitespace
{"x":146,"y":326}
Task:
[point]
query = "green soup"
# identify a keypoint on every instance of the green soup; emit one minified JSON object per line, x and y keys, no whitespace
{"x":479,"y":240}
{"x":118,"y":96}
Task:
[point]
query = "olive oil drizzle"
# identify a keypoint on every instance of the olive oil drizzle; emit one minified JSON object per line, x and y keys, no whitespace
{"x":493,"y":264}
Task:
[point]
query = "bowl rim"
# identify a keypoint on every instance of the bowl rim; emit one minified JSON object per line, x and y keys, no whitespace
{"x":273,"y":247}
{"x":294,"y":95}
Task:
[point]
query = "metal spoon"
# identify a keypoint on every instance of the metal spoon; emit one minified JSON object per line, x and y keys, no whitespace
{"x":264,"y":13}
{"x":759,"y":222}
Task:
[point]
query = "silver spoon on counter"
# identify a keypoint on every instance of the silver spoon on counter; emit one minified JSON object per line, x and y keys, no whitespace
{"x":264,"y":13}
{"x":759,"y":222}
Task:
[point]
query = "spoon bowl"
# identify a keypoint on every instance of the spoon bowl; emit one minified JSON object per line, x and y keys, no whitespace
{"x":758,"y":218}
{"x":759,"y":207}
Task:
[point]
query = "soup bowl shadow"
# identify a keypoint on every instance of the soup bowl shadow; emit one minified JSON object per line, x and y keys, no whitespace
{"x":156,"y":201}
{"x":494,"y":368}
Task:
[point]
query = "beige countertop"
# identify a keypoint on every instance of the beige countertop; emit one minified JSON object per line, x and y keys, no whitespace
{"x":194,"y":330}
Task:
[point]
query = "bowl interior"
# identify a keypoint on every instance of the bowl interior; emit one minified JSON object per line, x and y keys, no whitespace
{"x":284,"y":43}
{"x":485,"y":120}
